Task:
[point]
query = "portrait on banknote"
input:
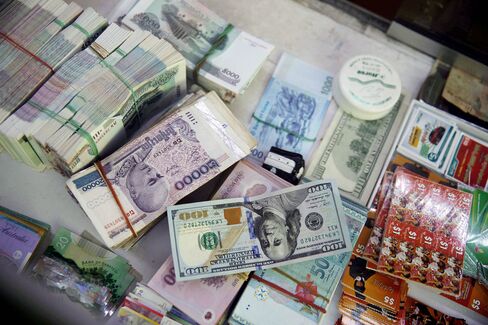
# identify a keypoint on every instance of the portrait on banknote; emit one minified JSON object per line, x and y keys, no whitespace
{"x":278,"y":225}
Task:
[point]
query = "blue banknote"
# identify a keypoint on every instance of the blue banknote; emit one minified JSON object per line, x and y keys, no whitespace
{"x":292,"y":108}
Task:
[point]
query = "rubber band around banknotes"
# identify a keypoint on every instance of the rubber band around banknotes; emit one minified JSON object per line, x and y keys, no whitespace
{"x":75,"y":126}
{"x":81,"y":29}
{"x":59,"y":22}
{"x":212,"y":50}
{"x":101,"y":171}
{"x":23,"y":49}
{"x":288,"y":293}
{"x":279,"y":128}
{"x":126,"y":83}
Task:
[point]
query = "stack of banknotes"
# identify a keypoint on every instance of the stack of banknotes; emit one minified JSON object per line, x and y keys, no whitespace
{"x":36,"y":38}
{"x":20,"y":239}
{"x":145,"y":306}
{"x":289,"y":287}
{"x":354,"y":151}
{"x":204,"y":301}
{"x":86,"y":106}
{"x":292,"y":110}
{"x":132,"y":187}
{"x":86,"y":272}
{"x":220,"y":56}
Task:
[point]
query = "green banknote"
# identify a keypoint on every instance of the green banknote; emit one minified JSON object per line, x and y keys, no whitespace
{"x":94,"y":263}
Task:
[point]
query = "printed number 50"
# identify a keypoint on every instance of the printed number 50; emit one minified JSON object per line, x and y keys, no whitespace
{"x":321,"y":264}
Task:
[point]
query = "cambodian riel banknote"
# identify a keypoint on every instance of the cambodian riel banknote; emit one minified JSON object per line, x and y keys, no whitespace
{"x":245,"y":234}
{"x":353,"y":151}
{"x":292,"y":108}
{"x":204,"y":300}
{"x":299,"y":292}
{"x":173,"y":158}
{"x":228,"y":58}
{"x":249,"y":179}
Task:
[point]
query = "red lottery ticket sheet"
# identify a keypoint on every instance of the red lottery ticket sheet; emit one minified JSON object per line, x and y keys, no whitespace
{"x":425,"y":233}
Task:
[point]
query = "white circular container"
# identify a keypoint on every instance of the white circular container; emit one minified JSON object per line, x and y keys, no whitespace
{"x":367,"y":87}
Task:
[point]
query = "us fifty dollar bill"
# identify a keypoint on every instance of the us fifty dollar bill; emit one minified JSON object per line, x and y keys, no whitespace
{"x":246,"y":234}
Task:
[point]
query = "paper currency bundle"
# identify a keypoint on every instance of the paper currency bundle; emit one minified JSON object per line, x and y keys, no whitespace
{"x":86,"y":272}
{"x":173,"y":158}
{"x":353,"y":151}
{"x":85,"y":107}
{"x":292,"y":109}
{"x":205,"y":301}
{"x":145,"y":306}
{"x":36,"y":38}
{"x":220,"y":56}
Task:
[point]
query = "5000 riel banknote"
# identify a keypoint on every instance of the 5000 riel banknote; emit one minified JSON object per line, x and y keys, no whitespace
{"x":246,"y":234}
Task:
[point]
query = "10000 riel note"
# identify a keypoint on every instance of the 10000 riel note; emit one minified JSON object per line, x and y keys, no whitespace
{"x":167,"y":162}
{"x":354,"y":151}
{"x":245,"y":234}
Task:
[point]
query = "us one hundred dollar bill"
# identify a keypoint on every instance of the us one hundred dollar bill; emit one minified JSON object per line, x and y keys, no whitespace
{"x":156,"y":169}
{"x":353,"y":151}
{"x":246,"y":234}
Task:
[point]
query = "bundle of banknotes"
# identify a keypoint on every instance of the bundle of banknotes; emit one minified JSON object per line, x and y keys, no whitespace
{"x":86,"y":272}
{"x":205,"y":301}
{"x":131,"y":188}
{"x":219,"y":56}
{"x":292,"y":109}
{"x":83,"y":110}
{"x":20,"y":239}
{"x":36,"y":38}
{"x":145,"y":306}
{"x":354,"y":151}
